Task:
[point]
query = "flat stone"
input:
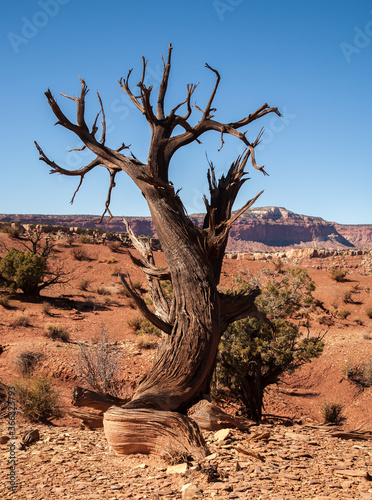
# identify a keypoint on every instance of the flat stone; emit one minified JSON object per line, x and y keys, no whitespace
{"x":221,"y":435}
{"x":177,"y":469}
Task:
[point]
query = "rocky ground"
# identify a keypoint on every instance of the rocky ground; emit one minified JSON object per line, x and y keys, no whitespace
{"x":274,"y":462}
{"x":300,"y":461}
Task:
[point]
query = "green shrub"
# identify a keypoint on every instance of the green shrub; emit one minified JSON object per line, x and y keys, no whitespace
{"x":56,"y":331}
{"x":147,"y":328}
{"x":338,"y":274}
{"x":37,"y":399}
{"x":332,"y":413}
{"x":251,"y":356}
{"x":24,"y":270}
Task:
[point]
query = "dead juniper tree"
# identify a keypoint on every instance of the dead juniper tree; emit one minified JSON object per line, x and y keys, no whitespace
{"x":154,"y":419}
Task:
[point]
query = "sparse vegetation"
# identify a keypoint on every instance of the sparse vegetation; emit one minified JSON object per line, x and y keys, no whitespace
{"x":114,"y":246}
{"x":80,"y":254}
{"x":101,"y":290}
{"x":46,"y":308}
{"x":21,"y":319}
{"x":4,"y":300}
{"x":338,"y":274}
{"x":369,"y":312}
{"x":26,"y":361}
{"x":83,"y":284}
{"x":254,"y":353}
{"x":85,"y":239}
{"x":144,"y":341}
{"x":359,"y":373}
{"x":56,"y":331}
{"x":135,"y":322}
{"x":98,"y":363}
{"x":37,"y":398}
{"x":332,"y":413}
{"x":344,"y":313}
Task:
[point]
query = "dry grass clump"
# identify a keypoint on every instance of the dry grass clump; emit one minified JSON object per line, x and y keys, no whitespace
{"x":145,"y":341}
{"x":56,"y":331}
{"x":338,"y":274}
{"x":359,"y":373}
{"x":46,"y":308}
{"x":332,"y":413}
{"x":101,"y":290}
{"x":114,"y":246}
{"x":83,"y":284}
{"x":4,"y":300}
{"x":26,"y":362}
{"x":344,"y":313}
{"x":80,"y":254}
{"x":37,"y":398}
{"x":98,"y":364}
{"x":21,"y":319}
{"x":369,"y":312}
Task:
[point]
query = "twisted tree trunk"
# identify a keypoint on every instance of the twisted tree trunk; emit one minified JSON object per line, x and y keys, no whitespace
{"x":197,"y":315}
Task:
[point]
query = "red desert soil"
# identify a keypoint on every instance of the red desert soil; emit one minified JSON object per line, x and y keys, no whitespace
{"x":303,"y":461}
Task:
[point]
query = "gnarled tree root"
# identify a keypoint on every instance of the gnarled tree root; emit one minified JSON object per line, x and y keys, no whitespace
{"x":211,"y":418}
{"x":162,"y":433}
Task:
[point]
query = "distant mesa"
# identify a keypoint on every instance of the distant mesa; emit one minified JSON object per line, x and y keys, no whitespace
{"x":261,"y":229}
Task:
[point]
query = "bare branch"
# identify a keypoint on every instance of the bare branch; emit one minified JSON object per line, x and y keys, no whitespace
{"x":103,"y":136}
{"x":77,"y":189}
{"x":208,"y":108}
{"x":163,"y":85}
{"x":80,"y":104}
{"x":155,"y":320}
{"x":56,"y":169}
{"x":108,"y":200}
{"x":153,"y":274}
{"x":124,"y":84}
{"x":242,"y":210}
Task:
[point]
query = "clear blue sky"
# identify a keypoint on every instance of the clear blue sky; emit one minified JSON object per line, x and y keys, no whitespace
{"x":312,"y":59}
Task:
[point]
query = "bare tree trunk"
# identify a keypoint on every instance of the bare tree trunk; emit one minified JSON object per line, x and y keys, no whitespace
{"x":198,"y":314}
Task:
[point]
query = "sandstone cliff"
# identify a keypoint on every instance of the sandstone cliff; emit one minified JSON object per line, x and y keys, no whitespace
{"x":262,"y":229}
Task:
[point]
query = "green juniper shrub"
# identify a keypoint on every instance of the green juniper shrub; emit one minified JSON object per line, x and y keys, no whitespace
{"x":24,"y":270}
{"x":251,"y":355}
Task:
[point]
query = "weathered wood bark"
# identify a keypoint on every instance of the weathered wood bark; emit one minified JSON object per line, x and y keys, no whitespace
{"x":211,"y":418}
{"x":90,"y":419}
{"x":85,"y":397}
{"x":172,"y":434}
{"x":198,"y":313}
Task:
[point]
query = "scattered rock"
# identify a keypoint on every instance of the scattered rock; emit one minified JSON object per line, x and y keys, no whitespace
{"x":177,"y":469}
